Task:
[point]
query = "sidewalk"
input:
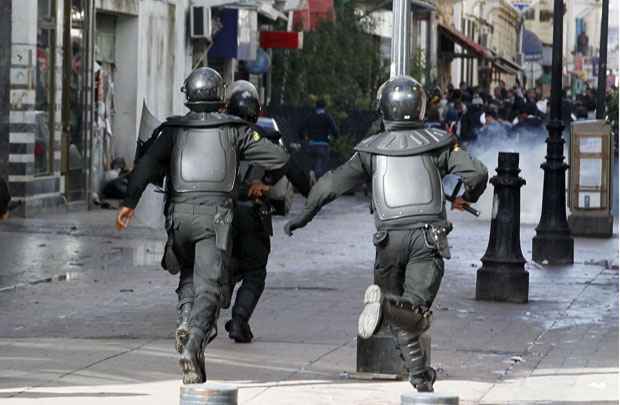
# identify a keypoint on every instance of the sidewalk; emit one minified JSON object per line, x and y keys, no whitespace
{"x":105,"y":335}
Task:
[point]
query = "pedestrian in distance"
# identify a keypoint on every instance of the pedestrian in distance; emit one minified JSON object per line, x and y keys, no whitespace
{"x":528,"y":128}
{"x":492,"y":130}
{"x":318,"y":130}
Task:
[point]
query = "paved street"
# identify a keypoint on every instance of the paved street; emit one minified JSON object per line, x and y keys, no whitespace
{"x":86,"y":315}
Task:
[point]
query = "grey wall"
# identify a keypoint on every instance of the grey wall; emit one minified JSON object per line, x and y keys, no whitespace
{"x":157,"y":52}
{"x":152,"y":59}
{"x":126,"y":88}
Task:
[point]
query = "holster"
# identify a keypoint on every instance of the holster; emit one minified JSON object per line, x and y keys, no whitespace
{"x":380,"y":238}
{"x":229,"y":280}
{"x":436,"y":237}
{"x":222,"y":224}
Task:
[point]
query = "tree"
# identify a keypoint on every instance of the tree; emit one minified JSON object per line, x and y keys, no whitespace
{"x":340,"y":62}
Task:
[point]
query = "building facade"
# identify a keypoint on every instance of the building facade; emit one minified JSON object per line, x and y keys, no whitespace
{"x":74,"y":75}
{"x":495,"y":26}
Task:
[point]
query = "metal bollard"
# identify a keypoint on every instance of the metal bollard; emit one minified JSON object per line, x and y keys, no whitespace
{"x":503,"y":276}
{"x":379,"y":355}
{"x":208,"y":394}
{"x":428,"y":398}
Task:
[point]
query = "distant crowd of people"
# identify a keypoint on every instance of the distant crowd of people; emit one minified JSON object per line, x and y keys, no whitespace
{"x":472,"y":114}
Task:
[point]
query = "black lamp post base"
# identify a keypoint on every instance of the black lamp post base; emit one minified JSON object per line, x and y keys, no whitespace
{"x":553,"y":249}
{"x":504,"y":286}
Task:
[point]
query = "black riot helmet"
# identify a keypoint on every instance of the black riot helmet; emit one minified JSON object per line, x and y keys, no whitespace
{"x":204,"y":90}
{"x":243,"y":101}
{"x":402,"y":99}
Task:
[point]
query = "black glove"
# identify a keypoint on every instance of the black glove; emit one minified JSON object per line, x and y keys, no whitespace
{"x":293,"y":224}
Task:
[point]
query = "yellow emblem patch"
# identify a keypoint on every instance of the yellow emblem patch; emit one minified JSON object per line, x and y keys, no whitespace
{"x":256,"y":136}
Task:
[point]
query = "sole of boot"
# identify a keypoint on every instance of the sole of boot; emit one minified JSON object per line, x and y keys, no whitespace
{"x":181,"y":338}
{"x":370,"y":318}
{"x":193,"y":370}
{"x":239,"y":338}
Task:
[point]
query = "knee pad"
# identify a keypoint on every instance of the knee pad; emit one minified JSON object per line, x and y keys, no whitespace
{"x":412,"y":318}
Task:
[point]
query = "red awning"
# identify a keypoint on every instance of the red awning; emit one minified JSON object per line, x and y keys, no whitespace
{"x":465,"y":42}
{"x":309,"y":18}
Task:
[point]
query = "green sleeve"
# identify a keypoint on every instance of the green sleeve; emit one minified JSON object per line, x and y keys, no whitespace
{"x":256,"y":149}
{"x":336,"y":183}
{"x":474,"y":173}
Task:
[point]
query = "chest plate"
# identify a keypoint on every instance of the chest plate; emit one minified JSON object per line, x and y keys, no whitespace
{"x":405,"y":187}
{"x":204,"y":160}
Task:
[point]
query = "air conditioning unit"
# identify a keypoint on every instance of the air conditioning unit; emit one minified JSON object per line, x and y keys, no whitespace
{"x":200,"y":22}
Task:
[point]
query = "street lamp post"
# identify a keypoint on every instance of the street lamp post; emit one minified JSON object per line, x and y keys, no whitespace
{"x":401,"y":37}
{"x":602,"y":60}
{"x":553,"y":243}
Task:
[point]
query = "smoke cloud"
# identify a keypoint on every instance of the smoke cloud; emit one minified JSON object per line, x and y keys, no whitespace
{"x":531,"y":155}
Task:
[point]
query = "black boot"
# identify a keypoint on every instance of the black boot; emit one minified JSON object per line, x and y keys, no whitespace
{"x":192,"y":359}
{"x":239,"y":330}
{"x":424,"y":381}
{"x":421,"y":377}
{"x":183,"y":326}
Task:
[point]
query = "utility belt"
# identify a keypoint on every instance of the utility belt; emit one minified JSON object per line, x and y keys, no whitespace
{"x":220,"y":210}
{"x":201,"y":198}
{"x":435,"y":236}
{"x":194,"y":209}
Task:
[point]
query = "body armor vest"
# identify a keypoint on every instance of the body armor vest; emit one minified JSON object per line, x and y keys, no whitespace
{"x":406,"y":184}
{"x":203,"y":160}
{"x":406,"y":188}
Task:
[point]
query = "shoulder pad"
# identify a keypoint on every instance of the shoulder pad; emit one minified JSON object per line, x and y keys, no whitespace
{"x":211,"y":120}
{"x":405,"y":143}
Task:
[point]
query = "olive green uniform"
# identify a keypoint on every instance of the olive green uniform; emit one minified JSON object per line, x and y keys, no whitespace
{"x":200,"y":226}
{"x":411,"y":237}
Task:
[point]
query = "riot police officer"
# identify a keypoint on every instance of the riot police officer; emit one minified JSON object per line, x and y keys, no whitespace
{"x":199,"y":152}
{"x":252,"y":225}
{"x":405,"y":163}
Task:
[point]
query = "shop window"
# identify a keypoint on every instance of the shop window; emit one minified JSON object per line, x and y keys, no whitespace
{"x":45,"y":93}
